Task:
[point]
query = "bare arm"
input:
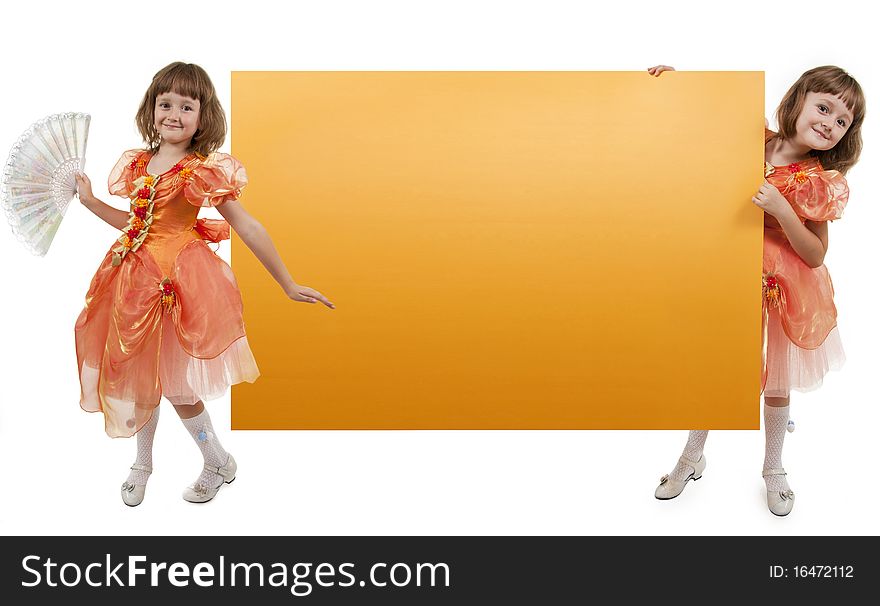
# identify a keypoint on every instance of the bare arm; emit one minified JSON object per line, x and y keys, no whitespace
{"x":113,"y":216}
{"x":257,"y":239}
{"x":809,"y":240}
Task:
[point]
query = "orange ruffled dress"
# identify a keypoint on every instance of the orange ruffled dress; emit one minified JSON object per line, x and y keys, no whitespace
{"x":163,"y":314}
{"x":801,"y":342}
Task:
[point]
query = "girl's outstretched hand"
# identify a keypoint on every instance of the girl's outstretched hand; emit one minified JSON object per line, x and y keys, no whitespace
{"x":659,"y":69}
{"x":83,"y":187}
{"x":308,"y":295}
{"x":771,"y":201}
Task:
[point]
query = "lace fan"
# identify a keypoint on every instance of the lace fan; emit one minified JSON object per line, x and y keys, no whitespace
{"x":38,"y":179}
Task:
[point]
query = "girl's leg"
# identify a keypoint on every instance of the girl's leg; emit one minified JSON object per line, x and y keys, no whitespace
{"x":693,"y":451}
{"x":780,"y":498}
{"x":188,"y":411}
{"x":133,"y":487}
{"x":690,"y":466}
{"x":219,"y":465}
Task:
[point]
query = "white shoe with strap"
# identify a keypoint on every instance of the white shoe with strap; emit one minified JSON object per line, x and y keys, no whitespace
{"x":201,"y":493}
{"x":670,"y":488}
{"x":133,"y":494}
{"x":780,"y":502}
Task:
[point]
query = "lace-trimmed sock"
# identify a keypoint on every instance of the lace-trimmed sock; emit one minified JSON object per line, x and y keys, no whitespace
{"x":144,"y":450}
{"x":200,"y":428}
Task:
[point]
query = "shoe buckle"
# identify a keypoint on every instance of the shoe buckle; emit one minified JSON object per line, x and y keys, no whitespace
{"x":200,"y":489}
{"x":664,"y":479}
{"x":127,"y":487}
{"x":786,"y":494}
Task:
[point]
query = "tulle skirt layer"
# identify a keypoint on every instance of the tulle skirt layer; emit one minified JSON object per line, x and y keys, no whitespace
{"x":790,"y":367}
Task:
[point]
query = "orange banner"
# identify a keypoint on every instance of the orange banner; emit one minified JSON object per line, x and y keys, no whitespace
{"x":506,"y":250}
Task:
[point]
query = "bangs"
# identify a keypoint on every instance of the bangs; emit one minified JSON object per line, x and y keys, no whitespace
{"x":852,"y":96}
{"x":185,"y":81}
{"x":844,"y":86}
{"x":849,"y":94}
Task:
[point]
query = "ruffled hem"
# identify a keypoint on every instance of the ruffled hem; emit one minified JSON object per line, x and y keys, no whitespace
{"x":184,"y":380}
{"x":790,"y":367}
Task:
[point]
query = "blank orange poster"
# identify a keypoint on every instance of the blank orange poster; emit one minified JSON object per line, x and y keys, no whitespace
{"x":506,"y":250}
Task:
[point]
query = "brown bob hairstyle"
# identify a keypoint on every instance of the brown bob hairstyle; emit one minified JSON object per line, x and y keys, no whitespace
{"x":192,"y":81}
{"x":835,"y":81}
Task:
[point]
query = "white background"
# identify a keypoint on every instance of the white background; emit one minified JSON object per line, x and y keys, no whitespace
{"x":60,"y":474}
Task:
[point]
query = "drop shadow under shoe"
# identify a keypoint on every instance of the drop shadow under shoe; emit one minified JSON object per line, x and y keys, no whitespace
{"x":670,"y":488}
{"x":200,"y":493}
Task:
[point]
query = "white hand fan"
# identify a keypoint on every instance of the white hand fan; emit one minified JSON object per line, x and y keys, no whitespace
{"x":38,"y":179}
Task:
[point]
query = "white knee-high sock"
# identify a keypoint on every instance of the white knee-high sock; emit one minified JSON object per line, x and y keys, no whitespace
{"x":144,"y":450}
{"x":775,"y":422}
{"x":693,"y":450}
{"x":200,"y":428}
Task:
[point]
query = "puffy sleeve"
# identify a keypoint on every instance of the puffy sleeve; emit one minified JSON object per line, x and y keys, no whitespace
{"x":821,"y":196}
{"x":217,"y":180}
{"x":119,"y":182}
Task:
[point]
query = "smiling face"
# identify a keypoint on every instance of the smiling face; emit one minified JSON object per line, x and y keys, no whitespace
{"x":822,"y":121}
{"x":176,"y":117}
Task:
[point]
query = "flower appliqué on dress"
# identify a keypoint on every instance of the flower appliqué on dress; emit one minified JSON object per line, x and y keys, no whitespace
{"x":770,"y":290}
{"x":798,"y":175}
{"x":169,"y":298}
{"x":140,"y":217}
{"x":183,"y":170}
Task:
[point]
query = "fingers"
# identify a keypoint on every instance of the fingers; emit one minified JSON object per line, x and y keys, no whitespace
{"x":767,"y":189}
{"x":319,"y":297}
{"x":310,"y":295}
{"x":659,"y":69}
{"x":327,"y":302}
